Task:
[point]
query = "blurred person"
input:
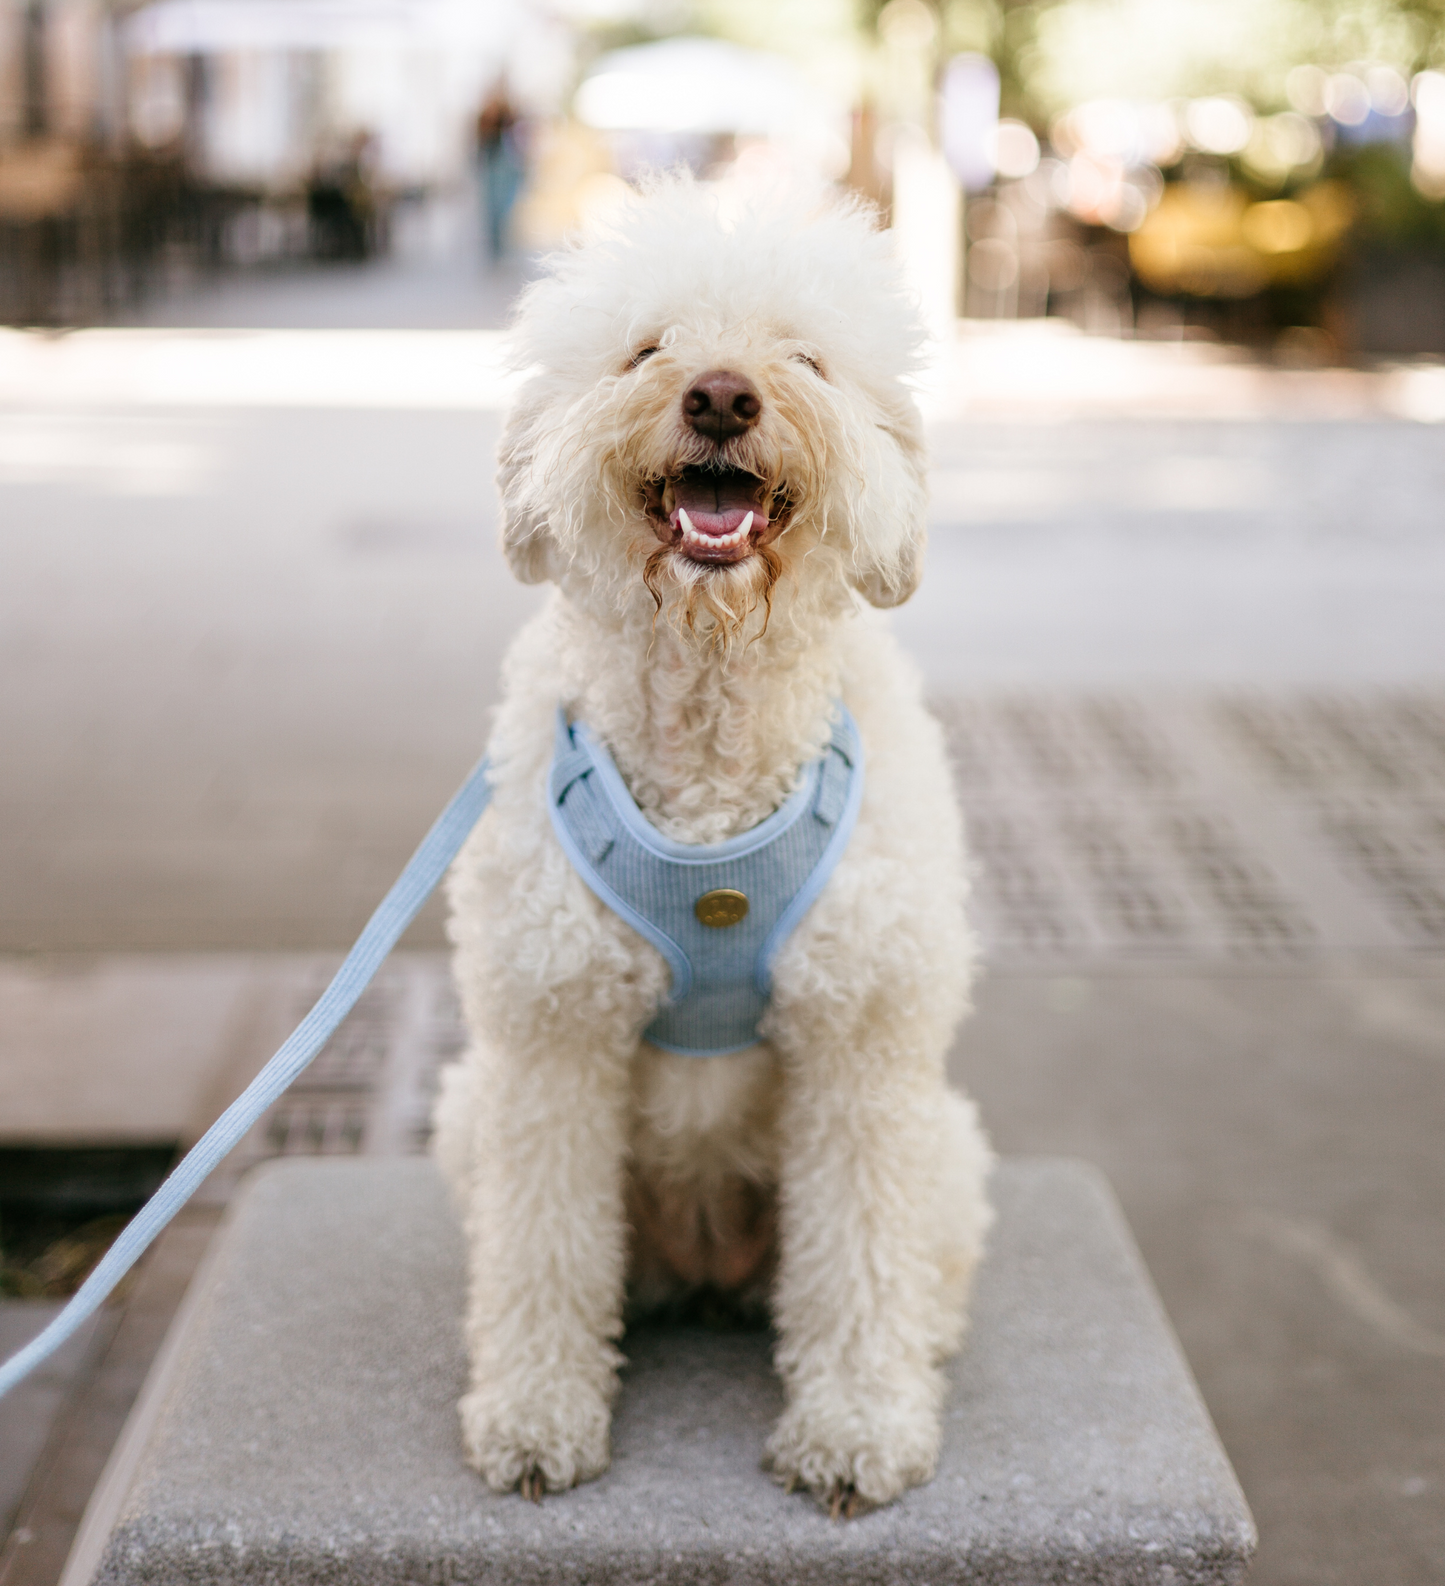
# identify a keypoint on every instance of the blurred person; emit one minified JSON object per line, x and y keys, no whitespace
{"x":342,"y":203}
{"x":499,"y":166}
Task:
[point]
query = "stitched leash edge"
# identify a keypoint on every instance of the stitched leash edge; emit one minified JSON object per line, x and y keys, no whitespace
{"x":416,"y":883}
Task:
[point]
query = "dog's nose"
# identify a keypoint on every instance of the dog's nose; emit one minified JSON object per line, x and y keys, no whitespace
{"x":721,"y":404}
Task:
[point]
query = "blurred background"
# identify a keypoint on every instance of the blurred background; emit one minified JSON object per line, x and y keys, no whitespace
{"x":1183,"y":262}
{"x":1271,"y":173}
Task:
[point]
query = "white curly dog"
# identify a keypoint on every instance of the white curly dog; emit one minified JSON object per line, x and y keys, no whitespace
{"x":717,"y":463}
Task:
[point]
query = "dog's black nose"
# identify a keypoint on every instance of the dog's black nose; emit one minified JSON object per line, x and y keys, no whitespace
{"x":721,"y":404}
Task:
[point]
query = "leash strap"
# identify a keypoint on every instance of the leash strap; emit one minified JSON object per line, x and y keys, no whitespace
{"x":398,"y":908}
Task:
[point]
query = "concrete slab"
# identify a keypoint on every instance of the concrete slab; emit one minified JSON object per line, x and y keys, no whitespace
{"x":131,"y":1049}
{"x":306,"y":1430}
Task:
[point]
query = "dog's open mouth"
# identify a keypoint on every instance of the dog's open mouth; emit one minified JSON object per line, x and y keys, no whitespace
{"x":710,"y":514}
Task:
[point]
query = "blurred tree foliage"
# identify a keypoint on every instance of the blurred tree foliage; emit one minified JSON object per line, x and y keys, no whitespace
{"x":1055,"y":53}
{"x":1389,"y":209}
{"x":1064,"y":51}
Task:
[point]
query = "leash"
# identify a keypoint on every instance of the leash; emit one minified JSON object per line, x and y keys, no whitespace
{"x":396,"y":911}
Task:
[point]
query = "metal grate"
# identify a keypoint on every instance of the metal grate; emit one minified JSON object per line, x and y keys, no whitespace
{"x":1133,"y":900}
{"x":370,"y":1089}
{"x":1394,"y":744}
{"x":1253,"y":905}
{"x":1022,"y":886}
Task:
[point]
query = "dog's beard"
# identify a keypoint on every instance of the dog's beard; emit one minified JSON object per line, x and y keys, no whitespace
{"x":722,"y":605}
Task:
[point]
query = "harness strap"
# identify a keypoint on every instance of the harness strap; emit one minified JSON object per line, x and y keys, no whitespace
{"x":833,"y":785}
{"x":591,"y":820}
{"x":838,"y":801}
{"x":396,"y":911}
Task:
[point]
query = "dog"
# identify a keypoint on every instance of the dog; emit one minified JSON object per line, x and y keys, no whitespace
{"x":717,"y":462}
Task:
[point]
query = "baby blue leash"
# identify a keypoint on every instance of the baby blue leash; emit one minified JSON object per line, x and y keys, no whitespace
{"x":398,"y":908}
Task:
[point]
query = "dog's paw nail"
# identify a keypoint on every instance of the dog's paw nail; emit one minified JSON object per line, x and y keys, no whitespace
{"x":533,"y":1484}
{"x":845,"y":1502}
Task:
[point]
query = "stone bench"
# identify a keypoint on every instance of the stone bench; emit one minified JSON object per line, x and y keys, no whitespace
{"x":299,"y":1426}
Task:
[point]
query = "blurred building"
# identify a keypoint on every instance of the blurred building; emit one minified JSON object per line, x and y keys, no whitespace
{"x":188,"y":133}
{"x":1269,"y":171}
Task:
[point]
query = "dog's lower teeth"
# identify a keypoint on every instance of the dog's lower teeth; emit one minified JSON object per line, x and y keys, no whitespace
{"x":716,"y":542}
{"x":693,"y":537}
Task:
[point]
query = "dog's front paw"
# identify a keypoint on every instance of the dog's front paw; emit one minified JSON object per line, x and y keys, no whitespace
{"x":853,"y":1452}
{"x":540,"y":1443}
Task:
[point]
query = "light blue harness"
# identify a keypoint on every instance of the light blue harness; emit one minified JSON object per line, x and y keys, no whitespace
{"x":717,"y":913}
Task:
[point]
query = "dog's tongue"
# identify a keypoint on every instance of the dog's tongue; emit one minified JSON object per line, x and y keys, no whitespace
{"x":717,"y":503}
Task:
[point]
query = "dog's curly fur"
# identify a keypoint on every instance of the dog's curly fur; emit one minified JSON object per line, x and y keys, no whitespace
{"x":828,"y":1171}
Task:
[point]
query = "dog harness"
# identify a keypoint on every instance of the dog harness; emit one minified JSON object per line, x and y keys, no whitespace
{"x":718,"y":913}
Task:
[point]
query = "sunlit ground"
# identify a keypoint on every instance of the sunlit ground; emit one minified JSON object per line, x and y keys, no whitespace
{"x":1038,"y":370}
{"x":1112,"y":513}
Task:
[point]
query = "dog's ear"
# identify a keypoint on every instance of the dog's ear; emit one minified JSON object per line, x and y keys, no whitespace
{"x":892,"y":584}
{"x":527,"y":540}
{"x":887,"y":572}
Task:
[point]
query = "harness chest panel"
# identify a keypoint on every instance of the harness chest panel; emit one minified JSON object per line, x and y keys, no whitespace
{"x":722,"y":971}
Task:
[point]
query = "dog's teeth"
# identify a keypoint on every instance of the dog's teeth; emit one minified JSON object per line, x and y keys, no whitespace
{"x":714,"y":542}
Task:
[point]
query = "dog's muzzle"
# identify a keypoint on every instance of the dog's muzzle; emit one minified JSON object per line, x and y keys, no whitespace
{"x":714,"y":512}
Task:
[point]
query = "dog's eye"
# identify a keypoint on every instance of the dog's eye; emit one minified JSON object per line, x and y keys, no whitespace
{"x":812,"y":363}
{"x":640,"y":356}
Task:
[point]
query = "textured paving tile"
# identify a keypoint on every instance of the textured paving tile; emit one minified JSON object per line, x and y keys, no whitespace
{"x":1232,"y":827}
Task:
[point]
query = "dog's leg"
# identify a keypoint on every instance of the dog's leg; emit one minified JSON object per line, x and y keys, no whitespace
{"x":547,"y":1266}
{"x":883,"y":1211}
{"x":547,"y":1248}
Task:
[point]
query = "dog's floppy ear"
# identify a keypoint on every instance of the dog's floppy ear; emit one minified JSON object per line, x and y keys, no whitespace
{"x":527,"y":540}
{"x":887,"y":572}
{"x":892,"y":584}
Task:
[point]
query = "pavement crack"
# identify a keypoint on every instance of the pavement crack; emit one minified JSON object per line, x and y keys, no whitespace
{"x":1344,"y":1275}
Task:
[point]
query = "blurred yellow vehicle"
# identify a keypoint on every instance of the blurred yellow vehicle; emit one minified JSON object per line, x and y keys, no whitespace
{"x":1212,"y":241}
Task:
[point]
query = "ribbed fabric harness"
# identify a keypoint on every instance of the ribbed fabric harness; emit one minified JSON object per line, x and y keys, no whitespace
{"x":718,"y":913}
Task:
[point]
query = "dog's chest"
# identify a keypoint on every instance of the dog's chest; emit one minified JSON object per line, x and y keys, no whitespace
{"x":697,"y":789}
{"x":702,"y":1122}
{"x":709,"y":752}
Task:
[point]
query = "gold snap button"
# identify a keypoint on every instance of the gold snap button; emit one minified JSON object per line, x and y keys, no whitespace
{"x":720,"y":908}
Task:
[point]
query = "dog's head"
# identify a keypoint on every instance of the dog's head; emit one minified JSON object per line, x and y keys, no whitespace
{"x":717,"y":414}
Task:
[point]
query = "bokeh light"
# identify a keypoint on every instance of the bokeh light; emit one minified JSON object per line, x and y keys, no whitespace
{"x":1218,"y":125}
